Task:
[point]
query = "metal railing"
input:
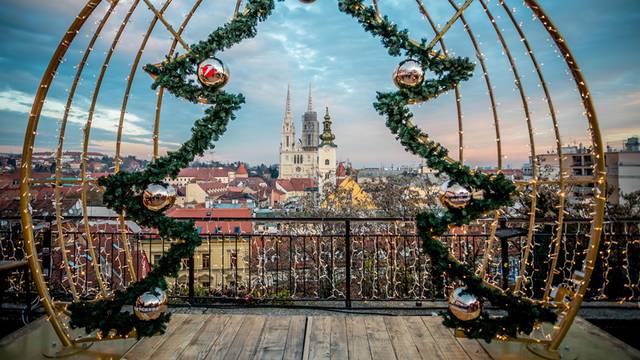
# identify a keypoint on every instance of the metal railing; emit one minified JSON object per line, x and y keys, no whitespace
{"x":304,"y":260}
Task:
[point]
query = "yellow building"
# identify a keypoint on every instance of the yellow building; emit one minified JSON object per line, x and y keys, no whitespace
{"x":215,"y":260}
{"x":349,"y":193}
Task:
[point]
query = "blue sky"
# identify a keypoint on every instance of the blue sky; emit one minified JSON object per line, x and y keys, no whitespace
{"x":316,"y":44}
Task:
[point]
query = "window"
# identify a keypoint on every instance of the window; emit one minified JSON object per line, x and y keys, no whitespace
{"x":577,"y":160}
{"x":577,"y":172}
{"x":309,"y":139}
{"x":236,"y":230}
{"x":287,"y":141}
{"x":218,"y":229}
{"x":326,"y":162}
{"x":156,"y":259}
{"x":233,"y":257}
{"x":206,"y":261}
{"x":588,"y":172}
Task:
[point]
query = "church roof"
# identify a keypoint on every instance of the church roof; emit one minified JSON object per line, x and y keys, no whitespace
{"x":242,"y":170}
{"x":296,"y":184}
{"x":205,"y":173}
{"x":341,"y":171}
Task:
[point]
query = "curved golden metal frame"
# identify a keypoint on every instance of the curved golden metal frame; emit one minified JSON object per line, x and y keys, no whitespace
{"x":95,"y":261}
{"x":156,"y":126}
{"x":63,"y":127}
{"x":569,"y":311}
{"x":487,"y":80}
{"x":25,"y":170}
{"x":556,"y":131}
{"x":456,"y":90}
{"x":534,"y":170}
{"x":123,"y":110}
{"x":598,"y":150}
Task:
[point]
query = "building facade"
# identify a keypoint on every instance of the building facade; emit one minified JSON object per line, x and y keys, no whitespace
{"x":623,"y":170}
{"x":312,"y":156}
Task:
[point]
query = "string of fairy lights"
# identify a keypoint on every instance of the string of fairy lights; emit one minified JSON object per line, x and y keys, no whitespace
{"x":378,"y":264}
{"x":82,"y":260}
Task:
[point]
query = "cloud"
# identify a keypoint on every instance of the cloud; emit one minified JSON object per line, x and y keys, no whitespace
{"x":104,"y":118}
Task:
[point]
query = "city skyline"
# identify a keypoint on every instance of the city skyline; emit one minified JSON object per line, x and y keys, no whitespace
{"x":314,"y":44}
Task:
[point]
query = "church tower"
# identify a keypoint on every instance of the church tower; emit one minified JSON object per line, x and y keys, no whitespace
{"x":327,"y":153}
{"x":310,"y":126}
{"x":287,"y":140}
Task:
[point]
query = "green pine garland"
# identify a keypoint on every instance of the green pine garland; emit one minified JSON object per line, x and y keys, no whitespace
{"x":522,"y":313}
{"x":124,"y":190}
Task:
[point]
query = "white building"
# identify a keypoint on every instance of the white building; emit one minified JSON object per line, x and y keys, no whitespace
{"x":312,"y":156}
{"x":623,"y":170}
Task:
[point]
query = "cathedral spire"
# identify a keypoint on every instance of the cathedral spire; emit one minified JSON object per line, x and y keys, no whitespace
{"x":288,"y":129}
{"x":287,"y":124}
{"x":327,"y":136}
{"x":310,"y":104}
{"x":288,"y":105}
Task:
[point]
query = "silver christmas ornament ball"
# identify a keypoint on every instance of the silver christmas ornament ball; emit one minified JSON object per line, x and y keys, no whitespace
{"x":150,"y":305}
{"x":464,"y":306}
{"x":158,"y":196}
{"x":409,"y":74}
{"x":212,"y":72}
{"x":456,"y":196}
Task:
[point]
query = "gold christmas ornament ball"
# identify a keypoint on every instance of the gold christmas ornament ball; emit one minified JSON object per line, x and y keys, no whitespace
{"x":212,"y":72}
{"x":456,"y":196}
{"x":150,"y":305}
{"x":158,"y":196}
{"x":409,"y":73}
{"x":463,"y":305}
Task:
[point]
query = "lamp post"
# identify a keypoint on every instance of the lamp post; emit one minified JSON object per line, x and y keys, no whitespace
{"x":504,"y":234}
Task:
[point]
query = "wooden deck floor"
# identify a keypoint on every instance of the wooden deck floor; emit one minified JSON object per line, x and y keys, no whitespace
{"x":300,"y":337}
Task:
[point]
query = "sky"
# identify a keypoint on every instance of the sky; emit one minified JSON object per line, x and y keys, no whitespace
{"x":317,"y":46}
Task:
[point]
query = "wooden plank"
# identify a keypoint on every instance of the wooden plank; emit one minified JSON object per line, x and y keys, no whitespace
{"x":246,"y":340}
{"x":473,"y":348}
{"x":180,"y":338}
{"x":425,"y":343}
{"x":445,"y":340}
{"x":403,"y":344}
{"x":145,"y":347}
{"x":319,"y":340}
{"x":379,"y":340}
{"x":205,"y":337}
{"x":339,"y":342}
{"x":295,"y":338}
{"x":357,"y":342}
{"x":274,"y":338}
{"x":219,"y":348}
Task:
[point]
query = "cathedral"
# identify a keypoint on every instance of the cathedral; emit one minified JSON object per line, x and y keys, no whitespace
{"x":313,"y":155}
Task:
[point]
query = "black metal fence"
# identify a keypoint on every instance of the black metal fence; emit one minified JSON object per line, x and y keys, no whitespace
{"x":304,"y":260}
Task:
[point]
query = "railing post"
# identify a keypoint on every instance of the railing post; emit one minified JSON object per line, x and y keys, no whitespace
{"x":347,"y":265}
{"x":46,"y":253}
{"x":191,"y":279}
{"x":504,"y":259}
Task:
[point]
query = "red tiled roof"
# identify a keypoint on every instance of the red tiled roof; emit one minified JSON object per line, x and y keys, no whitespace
{"x":204,"y":173}
{"x":296,"y":184}
{"x":209,"y":213}
{"x":212,"y":186}
{"x":224,"y":227}
{"x":241,"y":170}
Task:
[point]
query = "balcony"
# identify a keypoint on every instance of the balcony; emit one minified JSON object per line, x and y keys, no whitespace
{"x":313,"y":271}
